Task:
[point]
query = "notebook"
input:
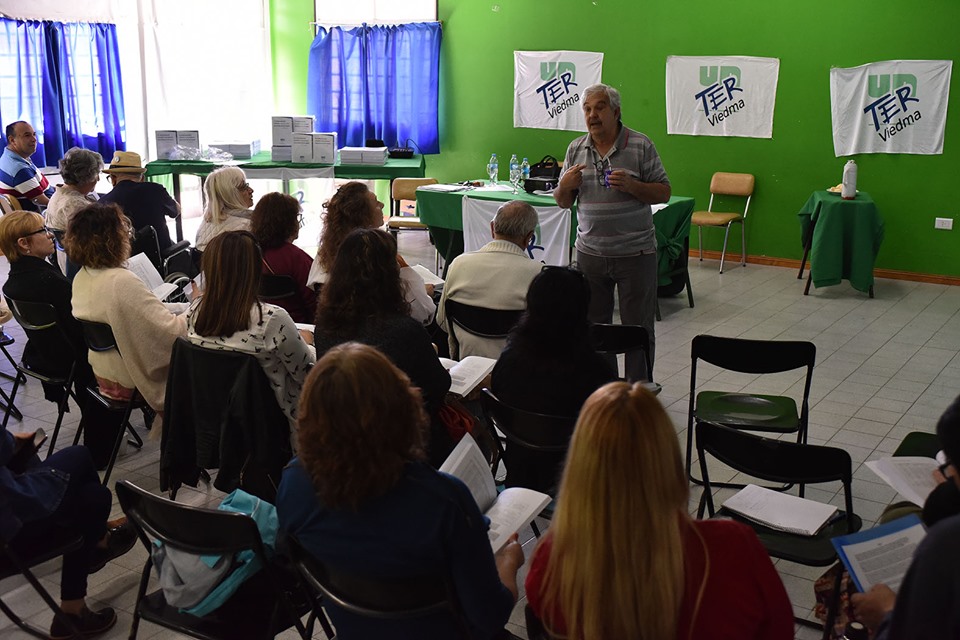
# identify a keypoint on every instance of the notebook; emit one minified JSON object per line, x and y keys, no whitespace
{"x":780,"y":511}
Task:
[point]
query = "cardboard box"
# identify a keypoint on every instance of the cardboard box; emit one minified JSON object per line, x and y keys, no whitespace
{"x":282,"y":131}
{"x":303,"y":124}
{"x":281,"y":154}
{"x":325,"y":148}
{"x":188,"y":139}
{"x":166,"y":141}
{"x":302,"y":148}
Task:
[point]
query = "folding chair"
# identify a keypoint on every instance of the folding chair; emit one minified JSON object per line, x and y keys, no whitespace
{"x":205,"y":532}
{"x":748,"y":411}
{"x":790,"y":463}
{"x":28,"y":554}
{"x":726,"y":184}
{"x":623,"y":338}
{"x":274,"y":287}
{"x":492,"y":324}
{"x":99,"y":338}
{"x":39,"y":322}
{"x":535,"y":433}
{"x":6,"y":402}
{"x":379,"y":600}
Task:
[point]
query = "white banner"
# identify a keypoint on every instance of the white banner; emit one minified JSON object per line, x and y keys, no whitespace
{"x":547,"y":87}
{"x":721,"y":95}
{"x":550,"y":246}
{"x":896,"y":106}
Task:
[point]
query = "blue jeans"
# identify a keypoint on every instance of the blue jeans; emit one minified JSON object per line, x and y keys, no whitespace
{"x":635,"y":278}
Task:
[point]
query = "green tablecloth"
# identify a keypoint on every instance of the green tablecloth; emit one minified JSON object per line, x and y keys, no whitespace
{"x":845,"y":240}
{"x":442,"y":212}
{"x":414,"y":167}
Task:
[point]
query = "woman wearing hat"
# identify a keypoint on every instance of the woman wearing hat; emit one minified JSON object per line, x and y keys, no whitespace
{"x":145,"y":203}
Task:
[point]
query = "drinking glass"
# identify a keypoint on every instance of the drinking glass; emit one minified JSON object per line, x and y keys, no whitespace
{"x":492,"y":171}
{"x":515,"y":180}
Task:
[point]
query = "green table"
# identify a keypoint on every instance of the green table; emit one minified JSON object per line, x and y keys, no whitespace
{"x":842,"y":238}
{"x":442,"y":212}
{"x":261,"y":167}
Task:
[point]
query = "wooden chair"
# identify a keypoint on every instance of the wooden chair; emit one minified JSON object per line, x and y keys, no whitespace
{"x":406,"y":189}
{"x":726,"y":184}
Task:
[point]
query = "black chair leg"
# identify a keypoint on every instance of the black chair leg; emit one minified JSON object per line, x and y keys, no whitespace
{"x":536,"y":529}
{"x":45,"y":596}
{"x":10,"y":408}
{"x":118,"y":442}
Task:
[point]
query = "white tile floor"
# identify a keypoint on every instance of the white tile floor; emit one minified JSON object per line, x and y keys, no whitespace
{"x":885,"y":367}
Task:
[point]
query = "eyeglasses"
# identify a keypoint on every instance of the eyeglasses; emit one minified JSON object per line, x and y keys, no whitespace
{"x":244,"y":186}
{"x":602,"y":167}
{"x":40,"y":230}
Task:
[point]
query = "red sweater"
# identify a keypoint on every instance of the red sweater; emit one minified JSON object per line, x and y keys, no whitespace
{"x":290,"y":260}
{"x":744,"y":597}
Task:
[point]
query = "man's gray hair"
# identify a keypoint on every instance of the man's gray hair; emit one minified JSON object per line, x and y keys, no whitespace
{"x":515,"y":219}
{"x":613,"y":96}
{"x":79,"y":166}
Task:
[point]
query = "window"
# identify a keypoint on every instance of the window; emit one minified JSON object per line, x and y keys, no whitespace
{"x":355,"y":12}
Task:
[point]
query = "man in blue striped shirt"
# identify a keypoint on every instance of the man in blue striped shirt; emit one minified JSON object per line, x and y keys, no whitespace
{"x":614,"y":174}
{"x":19,"y":177}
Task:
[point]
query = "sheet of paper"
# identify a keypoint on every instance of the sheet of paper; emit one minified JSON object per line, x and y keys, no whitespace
{"x":429,"y":277}
{"x":443,"y":188}
{"x":141,"y":267}
{"x":912,"y":477}
{"x":513,"y":509}
{"x":466,"y":462}
{"x":164,"y":289}
{"x":468,"y":373}
{"x":780,"y":510}
{"x":881,"y":555}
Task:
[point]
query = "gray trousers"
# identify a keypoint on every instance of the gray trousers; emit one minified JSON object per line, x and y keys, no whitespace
{"x":635,"y":278}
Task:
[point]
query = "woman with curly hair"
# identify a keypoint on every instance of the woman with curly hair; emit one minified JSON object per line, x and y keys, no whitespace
{"x":80,"y":170}
{"x":98,"y":238}
{"x":360,"y":498}
{"x":354,"y":206}
{"x":623,"y":559}
{"x":275,"y":225}
{"x":363,"y":301}
{"x":228,"y":198}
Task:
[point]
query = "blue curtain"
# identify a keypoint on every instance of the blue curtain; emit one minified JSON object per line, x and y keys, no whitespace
{"x":64,"y":79}
{"x":377,"y":82}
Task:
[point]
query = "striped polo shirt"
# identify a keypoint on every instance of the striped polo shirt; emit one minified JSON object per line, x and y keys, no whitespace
{"x":613,"y":223}
{"x":20,"y":178}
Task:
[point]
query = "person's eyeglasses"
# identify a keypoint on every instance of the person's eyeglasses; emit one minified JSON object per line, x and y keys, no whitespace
{"x":602,"y":167}
{"x":245,"y":186}
{"x":40,"y":230}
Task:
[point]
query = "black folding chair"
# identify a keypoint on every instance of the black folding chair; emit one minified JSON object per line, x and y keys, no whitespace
{"x":206,"y":532}
{"x":535,"y":433}
{"x":29,"y":554}
{"x":6,"y":402}
{"x":749,"y":411}
{"x":99,"y":338}
{"x":39,"y":322}
{"x":379,"y":600}
{"x":790,"y":463}
{"x":623,"y":338}
{"x":493,"y":324}
{"x":274,"y":287}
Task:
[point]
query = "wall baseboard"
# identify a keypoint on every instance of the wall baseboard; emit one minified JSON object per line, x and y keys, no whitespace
{"x":791,"y":263}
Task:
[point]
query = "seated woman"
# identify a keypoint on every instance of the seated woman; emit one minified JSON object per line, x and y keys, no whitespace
{"x":623,"y":559}
{"x":27,"y":243}
{"x":354,"y":206}
{"x":549,"y":366}
{"x":80,"y":170}
{"x":275,"y":225}
{"x":229,"y":316}
{"x":361,"y":499}
{"x":363,"y":301}
{"x":104,"y":291}
{"x":228,"y":199}
{"x":62,"y":492}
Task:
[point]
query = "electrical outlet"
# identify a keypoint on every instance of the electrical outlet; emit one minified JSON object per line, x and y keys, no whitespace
{"x":943,"y":223}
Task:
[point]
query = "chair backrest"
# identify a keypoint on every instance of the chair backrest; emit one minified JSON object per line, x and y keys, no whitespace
{"x":753,"y":356}
{"x":191,"y":529}
{"x":33,"y":316}
{"x":406,"y":188}
{"x":380,"y":599}
{"x":773,"y":460}
{"x":732,"y":184}
{"x":146,"y":241}
{"x":274,"y":286}
{"x":621,"y":338}
{"x":528,"y":430}
{"x":480,"y":321}
{"x":98,"y":335}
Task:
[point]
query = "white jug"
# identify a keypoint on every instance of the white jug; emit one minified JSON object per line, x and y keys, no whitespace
{"x":849,"y":189}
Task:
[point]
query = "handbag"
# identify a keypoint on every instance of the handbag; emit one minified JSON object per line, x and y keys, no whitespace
{"x":548,"y":167}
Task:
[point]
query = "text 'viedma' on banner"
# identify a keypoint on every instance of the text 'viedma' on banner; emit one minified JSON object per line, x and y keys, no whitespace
{"x":547,"y":86}
{"x":895,"y":106}
{"x":721,"y":95}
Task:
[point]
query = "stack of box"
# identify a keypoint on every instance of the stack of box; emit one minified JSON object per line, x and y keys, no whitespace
{"x":284,"y":128}
{"x":168,"y":140}
{"x":239,"y":150}
{"x":364,"y":155}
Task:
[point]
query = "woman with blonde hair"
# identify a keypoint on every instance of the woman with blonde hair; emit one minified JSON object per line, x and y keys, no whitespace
{"x":354,"y":207}
{"x":228,"y":200}
{"x":623,"y":559}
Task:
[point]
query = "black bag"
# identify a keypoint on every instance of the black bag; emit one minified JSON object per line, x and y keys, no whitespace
{"x":546,"y":168}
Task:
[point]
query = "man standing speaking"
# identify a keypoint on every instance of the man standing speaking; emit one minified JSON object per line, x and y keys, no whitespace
{"x":615,"y":174}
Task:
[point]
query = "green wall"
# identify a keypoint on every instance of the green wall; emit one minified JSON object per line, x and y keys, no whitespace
{"x":476,"y":108}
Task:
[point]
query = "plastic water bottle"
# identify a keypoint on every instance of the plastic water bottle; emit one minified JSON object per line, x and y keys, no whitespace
{"x":514,"y":172}
{"x":848,"y":190}
{"x":525,"y":170}
{"x":493,"y":169}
